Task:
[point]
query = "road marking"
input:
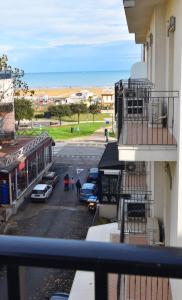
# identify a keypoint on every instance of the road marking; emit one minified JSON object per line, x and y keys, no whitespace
{"x":78,"y":171}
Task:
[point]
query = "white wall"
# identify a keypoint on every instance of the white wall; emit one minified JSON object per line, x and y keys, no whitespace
{"x":7,"y":122}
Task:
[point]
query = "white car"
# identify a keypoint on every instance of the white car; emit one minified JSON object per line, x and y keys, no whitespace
{"x":41,"y":192}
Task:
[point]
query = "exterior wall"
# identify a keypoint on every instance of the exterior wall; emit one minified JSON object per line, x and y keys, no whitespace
{"x":108,"y":211}
{"x":107,"y":100}
{"x":7,"y":122}
{"x":164,"y":69}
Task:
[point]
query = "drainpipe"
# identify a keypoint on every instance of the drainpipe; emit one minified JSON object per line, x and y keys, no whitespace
{"x":10,"y":191}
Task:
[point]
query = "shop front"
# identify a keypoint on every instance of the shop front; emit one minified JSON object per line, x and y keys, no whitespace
{"x":16,"y":178}
{"x":110,"y":170}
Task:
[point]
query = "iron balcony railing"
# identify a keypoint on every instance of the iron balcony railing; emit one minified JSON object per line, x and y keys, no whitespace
{"x":148,"y":117}
{"x":100,"y":258}
{"x":134,"y":87}
{"x":6,"y":136}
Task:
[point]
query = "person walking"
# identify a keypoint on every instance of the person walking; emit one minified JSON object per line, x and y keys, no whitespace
{"x":66,"y":182}
{"x":78,"y":187}
{"x":72,"y":181}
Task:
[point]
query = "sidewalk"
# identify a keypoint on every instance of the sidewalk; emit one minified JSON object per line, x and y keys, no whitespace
{"x":97,"y":137}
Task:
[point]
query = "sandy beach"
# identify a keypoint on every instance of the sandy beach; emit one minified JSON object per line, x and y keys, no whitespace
{"x":66,"y":92}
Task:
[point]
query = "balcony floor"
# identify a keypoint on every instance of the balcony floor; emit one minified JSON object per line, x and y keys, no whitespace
{"x":139,"y":142}
{"x":140,"y":133}
{"x":143,"y":287}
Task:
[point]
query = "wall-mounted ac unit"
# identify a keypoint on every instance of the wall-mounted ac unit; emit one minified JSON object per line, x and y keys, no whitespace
{"x":155,"y":112}
{"x":135,"y":167}
{"x":136,"y":207}
{"x":153,"y":232}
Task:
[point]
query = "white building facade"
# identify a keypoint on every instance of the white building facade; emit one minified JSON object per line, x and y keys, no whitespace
{"x":158,"y":26}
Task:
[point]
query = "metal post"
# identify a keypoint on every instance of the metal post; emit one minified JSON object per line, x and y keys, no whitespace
{"x":101,"y":286}
{"x":13,"y":283}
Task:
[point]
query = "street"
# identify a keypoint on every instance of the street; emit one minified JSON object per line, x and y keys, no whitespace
{"x":61,"y":217}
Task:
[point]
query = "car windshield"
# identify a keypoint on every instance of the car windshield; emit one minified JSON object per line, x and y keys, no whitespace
{"x":86,"y":191}
{"x":38,"y":192}
{"x":93,"y":175}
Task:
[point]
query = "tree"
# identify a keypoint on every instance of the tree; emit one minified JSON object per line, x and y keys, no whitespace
{"x":23,"y":110}
{"x":59,"y":111}
{"x":78,"y":108}
{"x":90,"y":99}
{"x":19,"y":86}
{"x":94,"y":109}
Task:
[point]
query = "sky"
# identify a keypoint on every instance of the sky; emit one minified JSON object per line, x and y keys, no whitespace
{"x":66,"y":35}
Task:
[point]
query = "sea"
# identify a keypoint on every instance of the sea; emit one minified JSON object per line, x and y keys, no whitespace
{"x":74,"y":79}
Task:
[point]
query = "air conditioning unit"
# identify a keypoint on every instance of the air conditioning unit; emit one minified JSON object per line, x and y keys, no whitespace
{"x":135,"y":207}
{"x":153,"y":231}
{"x":135,"y":167}
{"x":155,"y":112}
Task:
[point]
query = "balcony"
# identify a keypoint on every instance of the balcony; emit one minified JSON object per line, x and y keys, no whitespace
{"x":100,"y":258}
{"x":6,"y":136}
{"x":146,"y":122}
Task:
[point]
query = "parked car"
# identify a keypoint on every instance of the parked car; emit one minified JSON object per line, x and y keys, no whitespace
{"x":93,"y":175}
{"x":59,"y":296}
{"x":41,"y":192}
{"x":87,"y":190}
{"x":50,"y":178}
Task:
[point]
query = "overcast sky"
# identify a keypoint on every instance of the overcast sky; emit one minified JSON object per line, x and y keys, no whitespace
{"x":66,"y":35}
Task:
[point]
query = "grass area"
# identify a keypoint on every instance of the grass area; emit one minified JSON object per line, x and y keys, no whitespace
{"x":83,"y":117}
{"x":64,"y":132}
{"x":112,"y":134}
{"x":87,"y":117}
{"x":102,"y":221}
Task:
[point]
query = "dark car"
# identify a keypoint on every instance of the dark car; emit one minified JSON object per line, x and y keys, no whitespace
{"x":50,"y":178}
{"x":59,"y":296}
{"x":93,"y":175}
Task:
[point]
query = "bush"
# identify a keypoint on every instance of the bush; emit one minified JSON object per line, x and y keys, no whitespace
{"x":39,"y":116}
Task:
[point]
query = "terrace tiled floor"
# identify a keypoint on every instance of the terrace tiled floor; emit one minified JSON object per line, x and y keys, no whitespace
{"x":141,"y":133}
{"x":144,"y":287}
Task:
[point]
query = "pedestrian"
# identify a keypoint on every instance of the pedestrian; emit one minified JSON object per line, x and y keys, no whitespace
{"x":72,"y":181}
{"x":78,"y":187}
{"x":66,"y":182}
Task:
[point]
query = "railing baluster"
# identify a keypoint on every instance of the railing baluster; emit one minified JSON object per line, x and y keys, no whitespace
{"x":101,"y":286}
{"x":13,"y":283}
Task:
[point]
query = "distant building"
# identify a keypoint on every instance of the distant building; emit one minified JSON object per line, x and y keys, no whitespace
{"x":107,"y":98}
{"x":22,"y":159}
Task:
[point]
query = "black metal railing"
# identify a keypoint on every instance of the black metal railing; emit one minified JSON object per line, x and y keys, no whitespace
{"x":100,"y":258}
{"x":137,"y":208}
{"x":6,"y":136}
{"x":148,"y":117}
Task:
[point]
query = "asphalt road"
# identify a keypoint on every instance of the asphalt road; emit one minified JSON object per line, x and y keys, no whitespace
{"x":61,"y":217}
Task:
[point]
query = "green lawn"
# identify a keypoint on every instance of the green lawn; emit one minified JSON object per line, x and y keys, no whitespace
{"x":64,"y":132}
{"x":83,"y":117}
{"x":87,"y":117}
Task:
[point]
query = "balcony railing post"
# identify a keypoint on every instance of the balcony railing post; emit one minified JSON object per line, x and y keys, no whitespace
{"x":13,"y":283}
{"x":101,"y":285}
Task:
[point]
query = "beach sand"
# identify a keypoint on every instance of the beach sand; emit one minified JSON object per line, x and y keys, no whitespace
{"x":66,"y":92}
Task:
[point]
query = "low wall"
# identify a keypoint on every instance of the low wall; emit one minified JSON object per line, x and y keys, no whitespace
{"x":108,"y":211}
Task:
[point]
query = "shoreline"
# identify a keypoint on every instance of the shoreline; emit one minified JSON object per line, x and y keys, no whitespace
{"x":68,"y":91}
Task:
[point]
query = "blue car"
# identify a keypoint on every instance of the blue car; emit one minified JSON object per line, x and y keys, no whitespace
{"x":87,"y":190}
{"x":59,"y":296}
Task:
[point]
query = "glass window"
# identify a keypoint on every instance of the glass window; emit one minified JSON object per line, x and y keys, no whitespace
{"x":21,"y":177}
{"x":105,"y":184}
{"x":32,"y":169}
{"x":40,"y":156}
{"x":13,"y":184}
